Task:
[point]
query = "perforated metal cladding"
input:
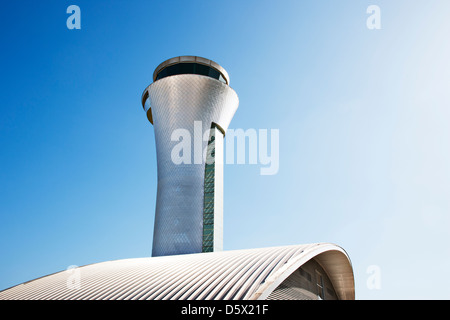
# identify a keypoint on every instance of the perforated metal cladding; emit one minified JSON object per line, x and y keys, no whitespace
{"x":192,"y":103}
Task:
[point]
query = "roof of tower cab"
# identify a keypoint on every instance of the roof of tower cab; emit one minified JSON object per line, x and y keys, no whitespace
{"x":186,"y":65}
{"x":191,"y":65}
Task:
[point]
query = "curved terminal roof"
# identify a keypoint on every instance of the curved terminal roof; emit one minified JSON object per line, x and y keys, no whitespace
{"x":228,"y":275}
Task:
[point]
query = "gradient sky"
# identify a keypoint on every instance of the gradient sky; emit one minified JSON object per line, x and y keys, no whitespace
{"x":363,"y":117}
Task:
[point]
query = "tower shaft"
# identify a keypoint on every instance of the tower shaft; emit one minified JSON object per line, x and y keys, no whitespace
{"x":190,"y":113}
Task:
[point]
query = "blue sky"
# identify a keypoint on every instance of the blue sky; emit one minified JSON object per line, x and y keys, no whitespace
{"x":362,"y":116}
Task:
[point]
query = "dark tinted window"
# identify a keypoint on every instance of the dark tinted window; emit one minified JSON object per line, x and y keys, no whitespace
{"x":201,"y":69}
{"x":190,"y":68}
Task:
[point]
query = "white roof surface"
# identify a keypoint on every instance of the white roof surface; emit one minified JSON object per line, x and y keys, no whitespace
{"x":228,"y":275}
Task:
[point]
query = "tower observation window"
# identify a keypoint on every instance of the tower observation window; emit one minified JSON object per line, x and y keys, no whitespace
{"x":190,"y":68}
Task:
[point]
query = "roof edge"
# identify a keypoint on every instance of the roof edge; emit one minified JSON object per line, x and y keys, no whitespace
{"x":344,"y":285}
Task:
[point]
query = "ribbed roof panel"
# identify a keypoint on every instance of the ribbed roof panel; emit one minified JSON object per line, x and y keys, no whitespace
{"x":227,"y":275}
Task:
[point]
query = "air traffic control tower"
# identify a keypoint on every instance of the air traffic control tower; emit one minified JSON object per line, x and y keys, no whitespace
{"x":190,"y":104}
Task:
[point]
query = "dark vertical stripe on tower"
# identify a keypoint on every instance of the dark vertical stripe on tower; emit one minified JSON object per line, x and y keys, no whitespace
{"x":208,"y":202}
